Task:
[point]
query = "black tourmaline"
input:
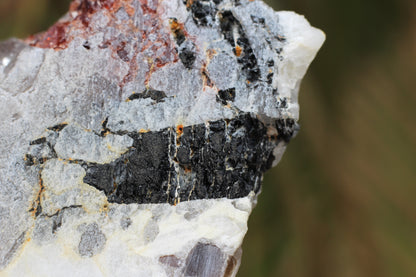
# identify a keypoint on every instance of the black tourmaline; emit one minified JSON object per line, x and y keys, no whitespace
{"x":224,"y":158}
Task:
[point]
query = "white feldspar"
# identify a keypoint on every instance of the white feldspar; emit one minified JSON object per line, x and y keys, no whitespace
{"x":132,"y":238}
{"x":91,"y":121}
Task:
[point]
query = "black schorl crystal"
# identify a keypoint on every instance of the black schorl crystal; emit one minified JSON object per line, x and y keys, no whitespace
{"x":223,"y":158}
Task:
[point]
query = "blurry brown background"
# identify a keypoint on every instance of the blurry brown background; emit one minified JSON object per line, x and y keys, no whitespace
{"x":342,"y":201}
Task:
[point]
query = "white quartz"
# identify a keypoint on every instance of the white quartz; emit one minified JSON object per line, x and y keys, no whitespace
{"x":133,"y":239}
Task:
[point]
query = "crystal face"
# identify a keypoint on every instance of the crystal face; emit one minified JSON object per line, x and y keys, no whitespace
{"x":134,"y":134}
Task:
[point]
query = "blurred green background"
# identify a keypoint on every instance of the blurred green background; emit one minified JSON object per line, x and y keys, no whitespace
{"x":342,"y":201}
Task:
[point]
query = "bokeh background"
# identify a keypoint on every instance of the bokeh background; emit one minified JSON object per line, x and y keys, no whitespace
{"x":342,"y":202}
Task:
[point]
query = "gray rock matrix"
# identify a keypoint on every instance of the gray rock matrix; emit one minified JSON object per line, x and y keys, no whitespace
{"x":124,"y":104}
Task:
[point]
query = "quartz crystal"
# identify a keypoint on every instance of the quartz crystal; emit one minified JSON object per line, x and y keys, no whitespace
{"x":134,"y":134}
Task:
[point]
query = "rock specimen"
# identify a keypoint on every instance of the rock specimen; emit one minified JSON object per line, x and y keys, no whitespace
{"x":134,"y":134}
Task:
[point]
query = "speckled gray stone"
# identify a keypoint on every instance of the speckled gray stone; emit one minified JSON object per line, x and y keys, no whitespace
{"x":134,"y":134}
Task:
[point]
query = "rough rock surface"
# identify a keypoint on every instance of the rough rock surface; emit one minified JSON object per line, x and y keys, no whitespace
{"x":134,"y":134}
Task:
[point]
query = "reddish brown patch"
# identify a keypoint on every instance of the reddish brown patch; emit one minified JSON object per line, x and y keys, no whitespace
{"x":232,"y":262}
{"x":132,"y":70}
{"x":130,"y":10}
{"x":178,"y":29}
{"x":238,"y":50}
{"x":163,"y":46}
{"x":170,"y":260}
{"x":145,"y":7}
{"x":55,"y":37}
{"x":85,"y":9}
{"x":159,"y":51}
{"x":121,"y":51}
{"x":179,"y":130}
{"x":59,"y":35}
{"x":211,"y":53}
{"x":205,"y":78}
{"x":108,"y":4}
{"x":174,"y":25}
{"x":189,"y":3}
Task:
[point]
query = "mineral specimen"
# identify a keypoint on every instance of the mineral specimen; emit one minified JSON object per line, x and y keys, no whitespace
{"x":134,"y":134}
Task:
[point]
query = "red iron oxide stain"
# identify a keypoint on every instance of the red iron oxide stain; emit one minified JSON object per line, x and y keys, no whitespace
{"x":85,"y":9}
{"x":238,"y":50}
{"x":163,"y":47}
{"x":107,"y":3}
{"x":59,"y":35}
{"x":55,"y":37}
{"x":205,"y":77}
{"x":155,"y":41}
{"x":122,"y":53}
{"x":179,"y":130}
